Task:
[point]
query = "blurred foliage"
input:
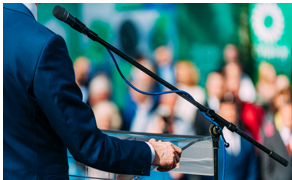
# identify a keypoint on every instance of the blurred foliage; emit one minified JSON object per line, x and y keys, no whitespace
{"x":204,"y":30}
{"x":45,"y":15}
{"x":159,"y":36}
{"x":244,"y":45}
{"x":96,"y":52}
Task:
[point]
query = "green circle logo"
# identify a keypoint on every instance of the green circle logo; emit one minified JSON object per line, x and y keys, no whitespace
{"x":267,"y":22}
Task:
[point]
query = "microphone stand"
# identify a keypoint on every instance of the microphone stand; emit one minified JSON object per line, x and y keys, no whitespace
{"x":215,"y":134}
{"x":214,"y":131}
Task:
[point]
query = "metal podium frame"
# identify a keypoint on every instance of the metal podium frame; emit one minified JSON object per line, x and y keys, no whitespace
{"x":194,"y":148}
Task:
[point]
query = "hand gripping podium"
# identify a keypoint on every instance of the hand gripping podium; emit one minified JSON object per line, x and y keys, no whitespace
{"x":197,"y":156}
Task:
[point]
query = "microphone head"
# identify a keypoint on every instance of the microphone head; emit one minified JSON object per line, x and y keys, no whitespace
{"x":60,"y":13}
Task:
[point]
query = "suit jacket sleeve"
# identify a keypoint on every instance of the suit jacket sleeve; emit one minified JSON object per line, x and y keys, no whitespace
{"x":253,"y":164}
{"x":268,"y":165}
{"x":60,"y":100}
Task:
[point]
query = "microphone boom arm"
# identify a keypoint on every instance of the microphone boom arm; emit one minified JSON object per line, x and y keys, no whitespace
{"x":80,"y":27}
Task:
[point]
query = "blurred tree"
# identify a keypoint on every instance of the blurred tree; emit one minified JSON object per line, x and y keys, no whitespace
{"x":129,"y":37}
{"x":71,"y":36}
{"x":95,"y":51}
{"x":159,"y":36}
{"x":203,"y":32}
{"x":245,"y":46}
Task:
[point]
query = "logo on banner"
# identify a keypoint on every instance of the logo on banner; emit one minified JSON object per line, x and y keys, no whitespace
{"x":267,"y":21}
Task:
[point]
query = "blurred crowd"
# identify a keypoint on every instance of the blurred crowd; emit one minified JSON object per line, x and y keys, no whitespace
{"x":262,"y":109}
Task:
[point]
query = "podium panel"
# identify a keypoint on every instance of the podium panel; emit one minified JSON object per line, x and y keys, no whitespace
{"x":197,"y":156}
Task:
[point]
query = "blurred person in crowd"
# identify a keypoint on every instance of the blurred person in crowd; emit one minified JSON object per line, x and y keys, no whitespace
{"x":241,"y":159}
{"x":164,"y":117}
{"x":279,"y":141}
{"x":279,"y":100}
{"x":107,"y":117}
{"x":252,"y":115}
{"x":81,"y":69}
{"x":282,"y":96}
{"x":106,"y":112}
{"x":187,"y":78}
{"x":165,"y":68}
{"x":140,"y":107}
{"x":231,"y":54}
{"x":139,"y":77}
{"x":273,"y":117}
{"x":247,"y":91}
{"x":232,"y":75}
{"x":282,"y":83}
{"x":252,"y":118}
{"x":282,"y":92}
{"x":99,"y":89}
{"x":239,"y":83}
{"x":165,"y":121}
{"x":276,"y":92}
{"x":215,"y":86}
{"x":266,"y":85}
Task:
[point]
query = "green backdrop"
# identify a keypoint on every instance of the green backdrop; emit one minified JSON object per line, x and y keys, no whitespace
{"x":195,"y":32}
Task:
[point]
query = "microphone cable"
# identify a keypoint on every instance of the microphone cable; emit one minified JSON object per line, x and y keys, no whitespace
{"x":167,"y":92}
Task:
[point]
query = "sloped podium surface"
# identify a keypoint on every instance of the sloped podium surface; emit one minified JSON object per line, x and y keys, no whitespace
{"x":197,"y":155}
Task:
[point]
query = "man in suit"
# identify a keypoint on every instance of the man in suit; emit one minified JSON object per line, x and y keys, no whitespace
{"x":280,"y":142}
{"x":215,"y":86}
{"x":44,"y":112}
{"x":241,"y":159}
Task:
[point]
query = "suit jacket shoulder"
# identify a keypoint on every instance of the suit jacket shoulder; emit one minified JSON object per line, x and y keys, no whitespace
{"x":22,"y":27}
{"x":43,"y":113}
{"x":271,"y":169}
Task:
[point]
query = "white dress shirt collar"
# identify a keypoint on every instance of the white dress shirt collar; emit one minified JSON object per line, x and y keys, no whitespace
{"x":234,"y":141}
{"x":214,"y":103}
{"x":33,"y":9}
{"x":286,"y":135}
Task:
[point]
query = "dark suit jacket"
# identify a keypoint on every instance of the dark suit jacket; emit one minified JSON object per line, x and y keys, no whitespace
{"x":44,"y":113}
{"x":202,"y":124}
{"x":244,"y":166}
{"x":241,"y":167}
{"x":271,"y":169}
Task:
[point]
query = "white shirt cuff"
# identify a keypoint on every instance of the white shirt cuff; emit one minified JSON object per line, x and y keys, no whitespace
{"x":152,"y":152}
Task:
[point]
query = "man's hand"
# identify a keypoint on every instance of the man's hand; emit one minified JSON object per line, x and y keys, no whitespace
{"x":167,"y":155}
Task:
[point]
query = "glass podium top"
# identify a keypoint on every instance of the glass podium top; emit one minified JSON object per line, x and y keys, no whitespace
{"x":197,"y":155}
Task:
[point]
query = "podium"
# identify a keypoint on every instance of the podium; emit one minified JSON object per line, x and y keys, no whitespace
{"x":196,"y":159}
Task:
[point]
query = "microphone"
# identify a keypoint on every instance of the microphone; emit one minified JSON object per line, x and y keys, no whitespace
{"x":63,"y":15}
